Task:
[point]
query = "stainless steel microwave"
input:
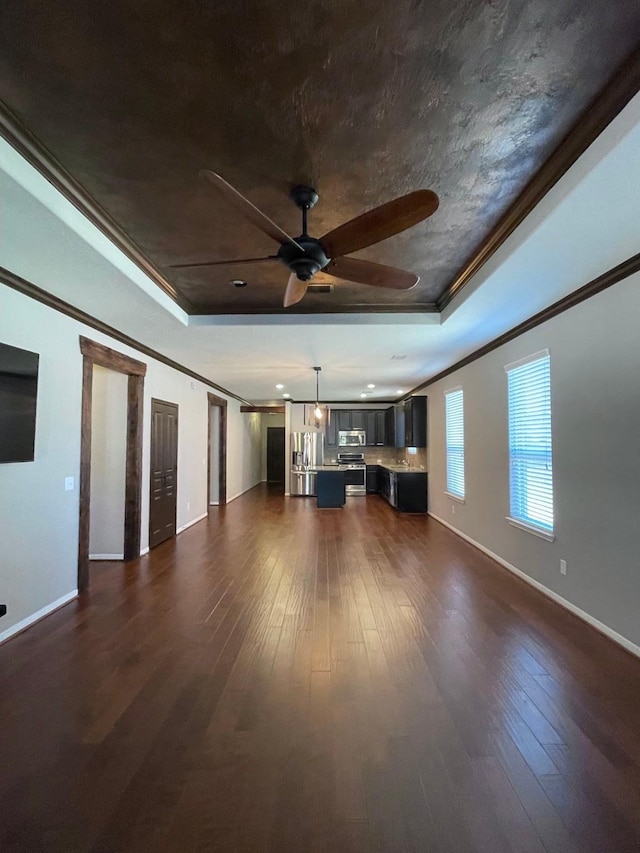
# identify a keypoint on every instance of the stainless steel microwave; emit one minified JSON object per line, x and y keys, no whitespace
{"x":352,"y":438}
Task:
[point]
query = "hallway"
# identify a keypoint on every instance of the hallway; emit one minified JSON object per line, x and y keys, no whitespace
{"x":279,"y":678}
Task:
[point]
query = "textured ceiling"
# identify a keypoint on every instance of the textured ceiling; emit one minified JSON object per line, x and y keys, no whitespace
{"x":365,"y":100}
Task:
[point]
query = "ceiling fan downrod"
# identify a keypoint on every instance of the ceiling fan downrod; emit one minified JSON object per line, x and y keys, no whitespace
{"x":313,"y":258}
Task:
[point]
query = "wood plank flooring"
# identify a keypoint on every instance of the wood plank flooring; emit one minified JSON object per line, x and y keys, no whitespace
{"x":280,"y":678}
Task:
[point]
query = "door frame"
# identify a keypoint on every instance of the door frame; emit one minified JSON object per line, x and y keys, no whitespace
{"x":94,"y":353}
{"x":221,"y":404}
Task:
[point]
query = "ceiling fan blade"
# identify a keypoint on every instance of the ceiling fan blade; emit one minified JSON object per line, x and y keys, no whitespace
{"x":296,"y":289}
{"x":249,"y":210}
{"x":381,"y":222}
{"x":222,"y":263}
{"x":366,"y":272}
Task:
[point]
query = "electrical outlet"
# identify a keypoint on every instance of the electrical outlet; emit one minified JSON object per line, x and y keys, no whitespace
{"x":69,"y":484}
{"x":563,"y":567}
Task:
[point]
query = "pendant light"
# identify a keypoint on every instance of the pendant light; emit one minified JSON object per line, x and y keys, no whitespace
{"x":318,"y":412}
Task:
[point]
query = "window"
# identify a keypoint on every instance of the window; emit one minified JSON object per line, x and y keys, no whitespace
{"x":530,"y":470}
{"x":454,"y":421}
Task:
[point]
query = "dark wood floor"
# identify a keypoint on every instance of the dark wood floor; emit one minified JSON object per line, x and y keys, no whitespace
{"x":280,"y":678}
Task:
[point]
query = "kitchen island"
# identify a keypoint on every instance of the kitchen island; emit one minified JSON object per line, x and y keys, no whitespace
{"x":330,"y":486}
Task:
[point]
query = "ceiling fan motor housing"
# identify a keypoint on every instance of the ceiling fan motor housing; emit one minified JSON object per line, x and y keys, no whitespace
{"x":304,"y":264}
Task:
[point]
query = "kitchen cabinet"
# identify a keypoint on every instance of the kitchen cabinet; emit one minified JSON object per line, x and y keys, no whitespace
{"x":370,"y":427}
{"x":343,"y":418}
{"x":357,"y":418}
{"x":394,"y":426}
{"x":405,"y":491}
{"x":411,"y":491}
{"x":331,"y":430}
{"x":372,"y":421}
{"x":372,"y":479}
{"x":415,"y":422}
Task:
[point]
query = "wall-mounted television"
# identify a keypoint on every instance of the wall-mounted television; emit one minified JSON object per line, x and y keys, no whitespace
{"x":18,"y":396}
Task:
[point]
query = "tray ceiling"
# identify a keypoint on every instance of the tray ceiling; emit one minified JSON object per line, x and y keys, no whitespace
{"x":366,"y":101}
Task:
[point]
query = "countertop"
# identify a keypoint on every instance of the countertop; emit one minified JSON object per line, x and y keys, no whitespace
{"x":402,"y":469}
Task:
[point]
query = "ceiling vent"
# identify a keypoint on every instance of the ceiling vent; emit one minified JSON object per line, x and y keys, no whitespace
{"x":319,"y":288}
{"x":397,"y":357}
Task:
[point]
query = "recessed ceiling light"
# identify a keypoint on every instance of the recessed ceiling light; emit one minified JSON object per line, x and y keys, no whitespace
{"x":371,"y":385}
{"x":279,"y":387}
{"x":363,"y":395}
{"x":286,"y":395}
{"x":237,"y":282}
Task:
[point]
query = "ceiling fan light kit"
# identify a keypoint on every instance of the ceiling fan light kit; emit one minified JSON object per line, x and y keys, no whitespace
{"x":305,"y":256}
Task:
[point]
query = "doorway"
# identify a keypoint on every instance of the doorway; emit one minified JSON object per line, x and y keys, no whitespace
{"x":217,"y":457}
{"x":108,"y":464}
{"x":275,"y":456}
{"x":93,"y":354}
{"x":164,"y":472}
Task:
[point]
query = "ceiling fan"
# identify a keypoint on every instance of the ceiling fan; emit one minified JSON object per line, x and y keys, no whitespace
{"x":305,"y":256}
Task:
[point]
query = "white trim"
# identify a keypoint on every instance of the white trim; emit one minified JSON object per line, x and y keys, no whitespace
{"x":144,"y":551}
{"x":454,"y":497}
{"x":626,"y":644}
{"x":37,"y":616}
{"x":534,"y":357}
{"x":214,"y":503}
{"x":106,"y":556}
{"x":453,"y":390}
{"x":191,"y":523}
{"x":549,"y":535}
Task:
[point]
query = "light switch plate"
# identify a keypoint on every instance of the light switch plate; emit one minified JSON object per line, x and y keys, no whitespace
{"x":69,"y":483}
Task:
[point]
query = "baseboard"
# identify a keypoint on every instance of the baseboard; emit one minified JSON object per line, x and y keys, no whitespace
{"x":192,"y":522}
{"x":214,"y":503}
{"x":21,"y":626}
{"x":243,"y":492}
{"x":563,"y":602}
{"x":144,"y":551}
{"x":106,"y":556}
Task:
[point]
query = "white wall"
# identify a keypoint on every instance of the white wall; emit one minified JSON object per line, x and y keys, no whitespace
{"x":244,"y":445}
{"x":38,"y":567}
{"x":108,"y":464}
{"x":595,"y":386}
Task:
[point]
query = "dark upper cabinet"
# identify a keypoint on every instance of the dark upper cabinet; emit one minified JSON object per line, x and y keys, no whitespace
{"x":331,"y":430}
{"x":394,"y":426}
{"x":357,"y":419}
{"x":390,"y":425}
{"x":344,"y":419}
{"x":378,"y":424}
{"x":370,"y":428}
{"x":415,"y":422}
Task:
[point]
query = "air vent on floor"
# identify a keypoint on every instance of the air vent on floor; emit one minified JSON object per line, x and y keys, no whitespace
{"x":320,"y":288}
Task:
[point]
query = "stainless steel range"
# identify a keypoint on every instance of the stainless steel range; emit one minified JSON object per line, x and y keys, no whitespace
{"x":355,"y":472}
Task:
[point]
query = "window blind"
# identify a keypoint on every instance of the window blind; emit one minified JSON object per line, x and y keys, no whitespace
{"x":454,"y":423}
{"x":530,"y":462}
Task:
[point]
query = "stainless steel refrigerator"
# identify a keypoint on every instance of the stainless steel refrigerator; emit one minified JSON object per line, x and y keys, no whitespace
{"x":307,"y":452}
